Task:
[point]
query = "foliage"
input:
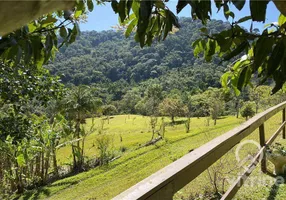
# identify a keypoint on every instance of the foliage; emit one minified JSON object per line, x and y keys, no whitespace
{"x":109,"y":110}
{"x":79,"y":102}
{"x":247,"y":110}
{"x":125,"y":66}
{"x":104,"y":145}
{"x":173,"y":108}
{"x":148,"y":159}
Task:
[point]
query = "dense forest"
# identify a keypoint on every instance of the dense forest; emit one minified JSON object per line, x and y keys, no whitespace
{"x":114,"y":64}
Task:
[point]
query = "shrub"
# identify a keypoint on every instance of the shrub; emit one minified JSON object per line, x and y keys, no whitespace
{"x":104,"y":144}
{"x":248,"y":110}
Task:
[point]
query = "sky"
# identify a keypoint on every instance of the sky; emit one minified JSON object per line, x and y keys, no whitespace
{"x":103,"y":17}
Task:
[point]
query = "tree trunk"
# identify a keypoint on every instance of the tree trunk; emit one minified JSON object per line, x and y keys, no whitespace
{"x":214,"y":121}
{"x":74,"y":158}
{"x":38,"y":165}
{"x":237,"y":108}
{"x":173,"y":119}
{"x":82,"y":153}
{"x":42,"y":167}
{"x":18,"y":179}
{"x":55,"y":163}
{"x":47,"y":165}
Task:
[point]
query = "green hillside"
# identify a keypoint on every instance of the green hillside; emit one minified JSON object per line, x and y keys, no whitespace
{"x":109,"y":61}
{"x":136,"y":163}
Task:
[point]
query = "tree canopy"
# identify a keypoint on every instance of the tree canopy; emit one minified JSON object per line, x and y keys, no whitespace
{"x":152,"y":21}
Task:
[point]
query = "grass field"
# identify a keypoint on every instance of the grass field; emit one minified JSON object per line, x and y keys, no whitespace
{"x":135,"y":164}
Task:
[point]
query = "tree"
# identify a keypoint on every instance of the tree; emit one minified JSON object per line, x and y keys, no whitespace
{"x":173,"y":108}
{"x":260,"y":96}
{"x":215,"y":99}
{"x":79,"y":102}
{"x":109,"y":110}
{"x":198,"y":105}
{"x":247,"y":110}
{"x":154,"y":96}
{"x":129,"y":100}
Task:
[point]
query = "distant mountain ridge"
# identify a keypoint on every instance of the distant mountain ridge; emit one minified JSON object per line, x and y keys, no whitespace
{"x":107,"y":57}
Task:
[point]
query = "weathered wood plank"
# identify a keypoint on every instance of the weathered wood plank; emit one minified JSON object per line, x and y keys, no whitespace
{"x":274,"y":136}
{"x":232,"y":190}
{"x":184,"y":170}
{"x":240,"y":180}
{"x":283,"y":120}
{"x":262,"y":144}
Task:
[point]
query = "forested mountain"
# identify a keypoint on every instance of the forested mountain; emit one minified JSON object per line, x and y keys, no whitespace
{"x":116,"y":64}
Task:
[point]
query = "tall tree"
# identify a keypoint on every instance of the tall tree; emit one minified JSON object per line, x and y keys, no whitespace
{"x":79,"y":102}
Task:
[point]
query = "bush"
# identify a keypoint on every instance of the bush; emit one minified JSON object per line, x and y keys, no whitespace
{"x":109,"y":110}
{"x":248,"y":110}
{"x":104,"y":145}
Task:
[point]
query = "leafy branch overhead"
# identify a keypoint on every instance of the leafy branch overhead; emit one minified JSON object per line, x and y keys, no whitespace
{"x":262,"y":54}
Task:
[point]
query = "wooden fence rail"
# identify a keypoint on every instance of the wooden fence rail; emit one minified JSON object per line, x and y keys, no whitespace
{"x":167,"y":181}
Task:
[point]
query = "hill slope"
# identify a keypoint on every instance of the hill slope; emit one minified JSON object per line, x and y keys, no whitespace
{"x":108,"y":59}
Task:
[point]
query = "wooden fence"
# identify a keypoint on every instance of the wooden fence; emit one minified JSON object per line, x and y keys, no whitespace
{"x":167,"y":181}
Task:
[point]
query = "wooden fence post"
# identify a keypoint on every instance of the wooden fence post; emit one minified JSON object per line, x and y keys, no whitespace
{"x":262,"y":144}
{"x":283,"y":120}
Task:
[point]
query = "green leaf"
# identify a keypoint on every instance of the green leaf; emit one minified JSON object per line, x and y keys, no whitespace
{"x":77,"y":13}
{"x":27,"y":52}
{"x":275,"y":58}
{"x":49,"y":43}
{"x":114,"y":5}
{"x":204,"y":30}
{"x":279,"y":79}
{"x":244,"y":19}
{"x":199,"y":46}
{"x":229,"y":13}
{"x":90,"y":5}
{"x":63,"y":32}
{"x":242,"y":46}
{"x":18,"y":55}
{"x":74,"y":33}
{"x":201,"y":10}
{"x":241,"y":78}
{"x":234,"y":81}
{"x":135,"y":8}
{"x":262,"y":49}
{"x":159,"y":4}
{"x":258,"y":10}
{"x":281,"y":20}
{"x":128,"y":7}
{"x":12,"y":52}
{"x":37,"y":47}
{"x":130,"y":27}
{"x":122,"y":10}
{"x":49,"y":20}
{"x":210,"y":49}
{"x":181,"y":4}
{"x":239,"y":4}
{"x":143,"y":21}
{"x":224,"y":79}
{"x":32,"y":26}
{"x":20,"y":160}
